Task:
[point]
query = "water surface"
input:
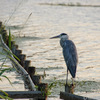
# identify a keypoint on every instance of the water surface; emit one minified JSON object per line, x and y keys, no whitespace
{"x":82,"y":24}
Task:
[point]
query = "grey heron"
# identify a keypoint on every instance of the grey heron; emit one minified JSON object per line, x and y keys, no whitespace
{"x":69,"y":53}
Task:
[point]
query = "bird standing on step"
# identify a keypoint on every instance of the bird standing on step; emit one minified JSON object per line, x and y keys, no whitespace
{"x":69,"y":53}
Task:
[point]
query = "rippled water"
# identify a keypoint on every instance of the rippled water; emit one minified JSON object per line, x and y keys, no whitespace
{"x":82,"y":24}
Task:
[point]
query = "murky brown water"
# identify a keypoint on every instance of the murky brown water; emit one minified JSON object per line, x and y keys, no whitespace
{"x":82,"y":24}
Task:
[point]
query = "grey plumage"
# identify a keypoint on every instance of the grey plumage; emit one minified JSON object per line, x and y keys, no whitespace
{"x":69,"y":53}
{"x":70,"y":56}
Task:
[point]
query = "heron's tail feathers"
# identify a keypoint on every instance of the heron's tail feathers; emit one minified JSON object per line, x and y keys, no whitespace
{"x":72,"y":71}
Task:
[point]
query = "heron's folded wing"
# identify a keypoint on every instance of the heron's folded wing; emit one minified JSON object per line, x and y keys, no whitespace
{"x":70,"y":56}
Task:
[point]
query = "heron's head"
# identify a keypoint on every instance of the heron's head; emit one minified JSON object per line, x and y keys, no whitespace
{"x":61,"y":36}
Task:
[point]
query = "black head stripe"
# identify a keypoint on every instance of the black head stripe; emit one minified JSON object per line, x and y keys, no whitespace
{"x":63,"y":34}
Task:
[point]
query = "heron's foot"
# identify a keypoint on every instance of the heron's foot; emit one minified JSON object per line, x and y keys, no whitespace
{"x":72,"y":88}
{"x":69,"y":88}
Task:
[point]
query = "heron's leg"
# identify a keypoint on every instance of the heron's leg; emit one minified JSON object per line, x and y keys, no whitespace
{"x":72,"y":80}
{"x":67,"y":77}
{"x":67,"y":89}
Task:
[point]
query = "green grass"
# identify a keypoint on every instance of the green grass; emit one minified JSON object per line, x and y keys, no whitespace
{"x":9,"y":39}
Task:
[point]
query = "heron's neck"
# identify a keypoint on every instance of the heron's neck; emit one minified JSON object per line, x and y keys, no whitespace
{"x":62,"y":42}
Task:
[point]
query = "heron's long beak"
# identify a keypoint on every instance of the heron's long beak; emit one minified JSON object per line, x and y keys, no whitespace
{"x":58,"y":36}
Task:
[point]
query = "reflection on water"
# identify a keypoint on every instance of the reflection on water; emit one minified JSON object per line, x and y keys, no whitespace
{"x":82,"y":24}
